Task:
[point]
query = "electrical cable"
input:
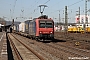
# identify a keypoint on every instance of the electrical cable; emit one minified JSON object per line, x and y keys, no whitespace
{"x":46,"y":1}
{"x":68,"y":6}
{"x":75,"y":3}
{"x":13,"y":8}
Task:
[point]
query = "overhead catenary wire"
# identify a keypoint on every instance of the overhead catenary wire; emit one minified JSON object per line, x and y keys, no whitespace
{"x":36,"y":2}
{"x":46,"y":1}
{"x":34,"y":10}
{"x":75,"y":3}
{"x":32,"y":6}
{"x":13,"y":8}
{"x":55,"y":4}
{"x":68,"y":6}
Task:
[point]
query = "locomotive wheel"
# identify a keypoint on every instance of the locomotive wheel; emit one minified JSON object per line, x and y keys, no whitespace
{"x":36,"y":39}
{"x":52,"y":38}
{"x":32,"y":38}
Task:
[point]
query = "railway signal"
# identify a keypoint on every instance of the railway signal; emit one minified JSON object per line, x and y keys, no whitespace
{"x":78,"y":19}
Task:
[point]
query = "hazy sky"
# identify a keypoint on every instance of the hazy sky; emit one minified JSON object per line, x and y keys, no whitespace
{"x":29,"y":8}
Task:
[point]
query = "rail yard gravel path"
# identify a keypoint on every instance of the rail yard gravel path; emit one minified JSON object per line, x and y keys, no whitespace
{"x":52,"y":50}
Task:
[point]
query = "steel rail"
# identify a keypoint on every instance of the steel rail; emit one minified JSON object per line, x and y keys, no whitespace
{"x":65,"y":50}
{"x":15,"y":49}
{"x":81,"y":50}
{"x":39,"y":56}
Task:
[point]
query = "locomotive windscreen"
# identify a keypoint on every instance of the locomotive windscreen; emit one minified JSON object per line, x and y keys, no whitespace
{"x":45,"y":24}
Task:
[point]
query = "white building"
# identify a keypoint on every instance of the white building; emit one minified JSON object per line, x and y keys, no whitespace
{"x":82,"y":19}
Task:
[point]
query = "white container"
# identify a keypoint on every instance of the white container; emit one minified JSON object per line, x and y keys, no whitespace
{"x":22,"y":27}
{"x":14,"y":27}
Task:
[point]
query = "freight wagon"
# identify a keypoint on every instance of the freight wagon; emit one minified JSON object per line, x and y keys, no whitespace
{"x":27,"y":28}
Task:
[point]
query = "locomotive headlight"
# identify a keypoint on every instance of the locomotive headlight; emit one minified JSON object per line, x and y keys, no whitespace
{"x":51,"y":32}
{"x":40,"y":32}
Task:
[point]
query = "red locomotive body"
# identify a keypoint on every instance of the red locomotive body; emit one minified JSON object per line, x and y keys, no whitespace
{"x":44,"y":28}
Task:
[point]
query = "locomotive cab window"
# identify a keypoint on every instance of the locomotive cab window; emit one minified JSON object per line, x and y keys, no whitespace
{"x":42,"y":24}
{"x":49,"y":24}
{"x":45,"y":24}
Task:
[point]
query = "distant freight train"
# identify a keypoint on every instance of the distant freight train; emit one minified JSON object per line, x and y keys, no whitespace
{"x":38,"y":28}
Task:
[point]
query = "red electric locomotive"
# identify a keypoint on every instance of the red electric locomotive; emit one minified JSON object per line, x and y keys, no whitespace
{"x":42,"y":28}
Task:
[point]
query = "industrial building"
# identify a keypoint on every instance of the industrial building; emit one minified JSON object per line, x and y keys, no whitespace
{"x":82,"y":19}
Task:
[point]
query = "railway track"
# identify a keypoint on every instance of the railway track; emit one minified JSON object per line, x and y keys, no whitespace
{"x":46,"y":51}
{"x":35,"y":45}
{"x":74,"y":37}
{"x":57,"y":50}
{"x":22,"y":50}
{"x":15,"y":49}
{"x":74,"y":51}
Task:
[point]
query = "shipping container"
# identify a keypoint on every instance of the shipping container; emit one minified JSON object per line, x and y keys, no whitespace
{"x":17,"y":28}
{"x":27,"y":26}
{"x":14,"y":27}
{"x":32,"y":28}
{"x":22,"y":27}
